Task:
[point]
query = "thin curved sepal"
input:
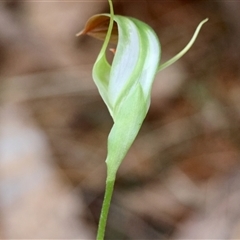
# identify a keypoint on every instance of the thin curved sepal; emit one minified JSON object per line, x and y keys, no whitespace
{"x":189,"y":45}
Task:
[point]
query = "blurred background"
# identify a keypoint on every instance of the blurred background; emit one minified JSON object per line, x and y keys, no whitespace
{"x":181,"y":178}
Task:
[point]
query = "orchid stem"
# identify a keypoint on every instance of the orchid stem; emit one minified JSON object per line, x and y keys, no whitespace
{"x":105,"y":209}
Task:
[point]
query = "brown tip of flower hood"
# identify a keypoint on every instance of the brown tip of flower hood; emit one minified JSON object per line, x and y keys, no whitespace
{"x":97,"y":27}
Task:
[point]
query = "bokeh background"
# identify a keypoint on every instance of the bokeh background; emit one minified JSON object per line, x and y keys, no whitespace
{"x":181,"y":178}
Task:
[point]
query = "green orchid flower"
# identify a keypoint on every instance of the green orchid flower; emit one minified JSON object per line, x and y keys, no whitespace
{"x":125,"y":84}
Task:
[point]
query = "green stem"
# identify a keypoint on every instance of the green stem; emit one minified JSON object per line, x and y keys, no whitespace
{"x":105,"y":209}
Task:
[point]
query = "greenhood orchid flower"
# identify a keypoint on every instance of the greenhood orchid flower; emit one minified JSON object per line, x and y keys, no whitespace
{"x":125,"y":84}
